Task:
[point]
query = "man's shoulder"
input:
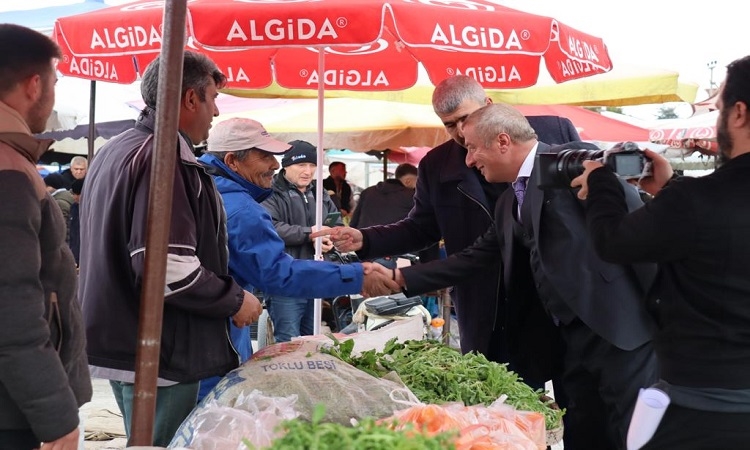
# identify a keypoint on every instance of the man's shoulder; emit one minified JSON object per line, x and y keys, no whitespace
{"x":446,"y":147}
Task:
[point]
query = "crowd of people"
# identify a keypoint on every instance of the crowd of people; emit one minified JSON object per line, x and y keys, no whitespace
{"x":582,"y":285}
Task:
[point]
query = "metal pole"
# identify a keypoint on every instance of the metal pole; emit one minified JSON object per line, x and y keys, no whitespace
{"x":318,"y":302}
{"x":158,"y":223}
{"x":445,"y":298}
{"x":92,"y":121}
{"x":385,"y":164}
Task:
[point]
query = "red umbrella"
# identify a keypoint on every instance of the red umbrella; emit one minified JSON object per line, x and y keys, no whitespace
{"x":697,"y":132}
{"x":591,"y":125}
{"x":368,"y":44}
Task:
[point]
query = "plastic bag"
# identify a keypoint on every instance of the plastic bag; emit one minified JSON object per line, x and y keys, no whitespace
{"x":298,"y":368}
{"x":254,"y":417}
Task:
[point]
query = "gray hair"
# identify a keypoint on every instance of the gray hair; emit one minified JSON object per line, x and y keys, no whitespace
{"x":79,"y":160}
{"x":241,"y":155}
{"x":495,"y":118}
{"x":196,"y":71}
{"x":451,"y":92}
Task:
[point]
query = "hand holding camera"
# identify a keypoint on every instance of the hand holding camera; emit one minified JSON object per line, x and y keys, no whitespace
{"x":557,"y":170}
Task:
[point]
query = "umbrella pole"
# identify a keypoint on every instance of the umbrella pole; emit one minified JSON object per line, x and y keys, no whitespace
{"x":158,"y":223}
{"x":385,"y":164}
{"x":92,"y":121}
{"x":318,"y":307}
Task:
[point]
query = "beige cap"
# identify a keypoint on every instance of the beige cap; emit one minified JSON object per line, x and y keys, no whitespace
{"x":236,"y":134}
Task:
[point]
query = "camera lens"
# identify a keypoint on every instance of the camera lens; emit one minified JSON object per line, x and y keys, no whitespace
{"x":570,"y":163}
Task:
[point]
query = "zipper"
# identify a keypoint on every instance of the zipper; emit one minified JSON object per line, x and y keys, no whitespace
{"x":500,"y":275}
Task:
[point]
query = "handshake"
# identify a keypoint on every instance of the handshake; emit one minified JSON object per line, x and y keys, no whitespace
{"x":378,"y":280}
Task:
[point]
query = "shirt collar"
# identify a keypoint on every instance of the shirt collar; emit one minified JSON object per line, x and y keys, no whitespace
{"x":528,"y":163}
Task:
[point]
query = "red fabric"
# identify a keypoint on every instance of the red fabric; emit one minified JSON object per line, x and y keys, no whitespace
{"x":374,"y":44}
{"x":591,"y":125}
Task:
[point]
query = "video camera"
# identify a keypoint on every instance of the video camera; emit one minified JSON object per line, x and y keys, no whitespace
{"x":557,"y":170}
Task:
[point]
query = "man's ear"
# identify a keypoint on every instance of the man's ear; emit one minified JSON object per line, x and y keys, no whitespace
{"x":32,"y":87}
{"x":739,"y":115}
{"x":231,"y":161}
{"x":503,"y":141}
{"x":190,"y":100}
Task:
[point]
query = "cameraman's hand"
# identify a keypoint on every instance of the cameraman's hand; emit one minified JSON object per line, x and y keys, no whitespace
{"x":582,"y":180}
{"x":249,"y":312}
{"x":345,"y":239}
{"x":661,"y":173}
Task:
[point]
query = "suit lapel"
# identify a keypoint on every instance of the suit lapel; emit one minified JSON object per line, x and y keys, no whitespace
{"x":534,"y":195}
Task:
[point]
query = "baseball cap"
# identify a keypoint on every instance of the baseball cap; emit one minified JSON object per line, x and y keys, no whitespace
{"x":301,"y":152}
{"x":236,"y":134}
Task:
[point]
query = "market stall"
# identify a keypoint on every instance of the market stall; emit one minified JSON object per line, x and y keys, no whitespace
{"x":343,"y":392}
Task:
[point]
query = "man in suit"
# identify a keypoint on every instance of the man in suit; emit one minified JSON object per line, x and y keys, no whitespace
{"x":563,"y":302}
{"x":455,"y":203}
{"x":696,"y":230}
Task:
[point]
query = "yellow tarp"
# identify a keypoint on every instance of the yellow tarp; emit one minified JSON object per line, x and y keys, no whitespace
{"x":622,"y":86}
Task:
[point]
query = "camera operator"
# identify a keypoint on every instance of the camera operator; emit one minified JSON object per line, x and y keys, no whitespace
{"x":698,"y":231}
{"x":567,"y":311}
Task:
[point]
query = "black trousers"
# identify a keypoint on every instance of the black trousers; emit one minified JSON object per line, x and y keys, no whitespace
{"x":18,"y":440}
{"x":601,"y":384}
{"x":690,"y":429}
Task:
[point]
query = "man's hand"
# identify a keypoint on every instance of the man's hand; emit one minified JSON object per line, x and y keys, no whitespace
{"x":314,"y":229}
{"x":249,"y":311}
{"x":583,"y":179}
{"x":378,"y":280}
{"x":67,"y":442}
{"x":345,"y":239}
{"x":326,"y":245}
{"x":661,"y":173}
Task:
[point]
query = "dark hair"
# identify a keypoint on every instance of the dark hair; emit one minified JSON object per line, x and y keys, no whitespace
{"x":405,"y":169}
{"x":24,"y":53}
{"x":54,"y":180}
{"x":736,"y":86}
{"x":196,"y":69}
{"x":77,"y":186}
{"x":335,"y":164}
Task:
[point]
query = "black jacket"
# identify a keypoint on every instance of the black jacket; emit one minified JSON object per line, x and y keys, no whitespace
{"x":608,"y":298}
{"x":451,"y":203}
{"x":455,"y":203}
{"x":387,"y":202}
{"x":343,"y":198}
{"x":696,"y":229}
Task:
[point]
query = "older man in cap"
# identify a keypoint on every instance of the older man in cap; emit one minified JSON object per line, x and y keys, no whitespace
{"x":292,"y":208}
{"x":241,"y":156}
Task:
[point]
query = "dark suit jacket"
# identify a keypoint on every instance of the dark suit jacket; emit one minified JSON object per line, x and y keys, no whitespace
{"x":449,"y":203}
{"x":608,"y":298}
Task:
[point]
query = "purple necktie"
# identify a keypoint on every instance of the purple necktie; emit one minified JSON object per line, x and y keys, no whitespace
{"x":519,"y":187}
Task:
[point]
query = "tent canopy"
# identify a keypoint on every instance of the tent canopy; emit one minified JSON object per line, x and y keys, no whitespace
{"x":623,"y":86}
{"x":364,"y":125}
